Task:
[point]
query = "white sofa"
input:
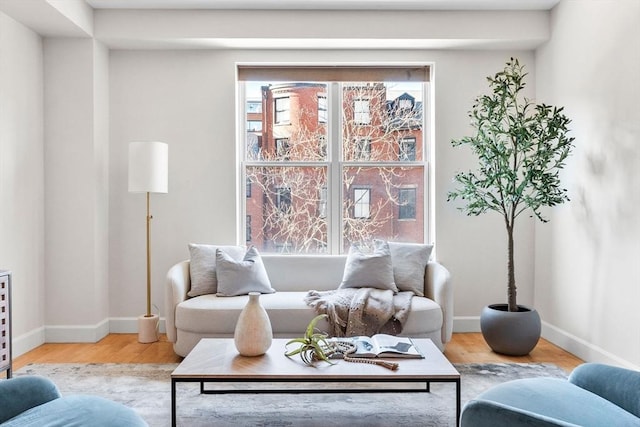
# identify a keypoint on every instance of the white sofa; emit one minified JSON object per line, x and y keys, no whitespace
{"x":292,"y":276}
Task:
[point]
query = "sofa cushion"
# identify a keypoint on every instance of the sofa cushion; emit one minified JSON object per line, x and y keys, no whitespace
{"x":409,"y":263}
{"x":217,"y":316}
{"x":370,"y":270}
{"x":202,"y":267}
{"x":241,"y":277}
{"x":289,"y":315}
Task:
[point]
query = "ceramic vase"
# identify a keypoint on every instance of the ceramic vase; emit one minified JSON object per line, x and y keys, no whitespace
{"x":253,"y":332}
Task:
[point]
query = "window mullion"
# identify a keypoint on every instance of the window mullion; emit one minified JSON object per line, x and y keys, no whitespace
{"x":334,"y":223}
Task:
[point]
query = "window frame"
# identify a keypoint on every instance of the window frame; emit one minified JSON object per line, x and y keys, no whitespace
{"x":336,"y":163}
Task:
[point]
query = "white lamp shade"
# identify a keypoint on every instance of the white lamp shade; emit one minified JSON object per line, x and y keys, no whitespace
{"x":148,"y":167}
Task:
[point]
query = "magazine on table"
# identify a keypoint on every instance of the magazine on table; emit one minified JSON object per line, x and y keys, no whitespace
{"x":383,"y":345}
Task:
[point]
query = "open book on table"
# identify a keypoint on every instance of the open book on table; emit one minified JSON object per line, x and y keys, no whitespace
{"x":383,"y":345}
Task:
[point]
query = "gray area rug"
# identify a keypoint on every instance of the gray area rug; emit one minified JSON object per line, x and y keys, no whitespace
{"x":147,"y":389}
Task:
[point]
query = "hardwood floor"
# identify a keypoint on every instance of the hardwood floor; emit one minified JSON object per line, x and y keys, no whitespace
{"x":471,"y":348}
{"x":125,"y":348}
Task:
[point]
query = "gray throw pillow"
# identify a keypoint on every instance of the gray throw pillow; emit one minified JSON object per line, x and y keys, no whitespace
{"x":409,"y":263}
{"x":202,"y":267}
{"x":369,"y":270}
{"x":241,"y":277}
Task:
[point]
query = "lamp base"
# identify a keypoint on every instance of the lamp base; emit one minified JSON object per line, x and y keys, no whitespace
{"x":148,"y":328}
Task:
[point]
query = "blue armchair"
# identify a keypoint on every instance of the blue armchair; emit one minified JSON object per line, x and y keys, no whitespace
{"x":35,"y":401}
{"x":595,"y":395}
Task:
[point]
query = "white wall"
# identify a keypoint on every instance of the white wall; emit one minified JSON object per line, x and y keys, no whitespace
{"x":587,"y":257}
{"x":21,"y":178}
{"x":187,"y":99}
{"x":76,"y":189}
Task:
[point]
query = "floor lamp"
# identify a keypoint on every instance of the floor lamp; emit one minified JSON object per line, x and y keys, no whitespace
{"x":148,"y":173}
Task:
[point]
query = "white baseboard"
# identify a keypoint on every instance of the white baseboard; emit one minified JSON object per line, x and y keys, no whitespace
{"x":466,"y":324}
{"x":574,"y":345}
{"x":77,"y":333}
{"x":581,"y":348}
{"x":27,"y":342}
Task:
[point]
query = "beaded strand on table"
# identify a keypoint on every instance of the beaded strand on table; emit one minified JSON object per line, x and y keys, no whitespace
{"x":346,"y":349}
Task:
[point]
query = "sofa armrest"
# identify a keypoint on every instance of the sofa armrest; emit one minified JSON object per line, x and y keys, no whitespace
{"x":177,"y":286}
{"x":619,"y":386}
{"x":438,"y":287}
{"x":20,"y":394}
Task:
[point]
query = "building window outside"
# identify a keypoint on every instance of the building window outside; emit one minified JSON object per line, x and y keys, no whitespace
{"x":254,"y":107}
{"x":322,"y":146}
{"x":322,"y":203}
{"x":407,"y":149}
{"x":248,"y":228}
{"x":361,"y":203}
{"x":322,"y":109}
{"x":363,"y":148}
{"x":283,"y":149}
{"x":254,"y":125}
{"x":248,"y":187}
{"x":407,"y":203}
{"x":352,"y":183}
{"x":283,"y":199}
{"x":405,"y":104}
{"x":361,"y":112}
{"x":282,"y":114}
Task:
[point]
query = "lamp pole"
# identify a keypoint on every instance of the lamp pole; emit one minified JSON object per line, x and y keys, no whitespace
{"x":149,"y":217}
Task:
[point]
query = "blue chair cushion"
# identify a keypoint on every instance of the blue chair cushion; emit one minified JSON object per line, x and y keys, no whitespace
{"x":544,"y":402}
{"x":78,"y":411}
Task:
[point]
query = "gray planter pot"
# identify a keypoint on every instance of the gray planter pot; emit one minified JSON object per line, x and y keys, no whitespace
{"x":512,"y":333}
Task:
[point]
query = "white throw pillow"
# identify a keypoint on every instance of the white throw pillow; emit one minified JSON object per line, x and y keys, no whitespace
{"x":202,"y":267}
{"x":241,"y":277}
{"x":369,"y":270}
{"x":409,"y":263}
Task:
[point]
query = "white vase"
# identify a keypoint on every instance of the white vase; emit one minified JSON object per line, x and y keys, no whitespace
{"x":253,"y":334}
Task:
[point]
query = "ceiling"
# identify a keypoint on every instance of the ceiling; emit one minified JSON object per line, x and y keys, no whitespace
{"x":328,"y":4}
{"x":238,"y":24}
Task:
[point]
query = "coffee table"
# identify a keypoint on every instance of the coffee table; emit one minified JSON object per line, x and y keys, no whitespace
{"x":216,"y":360}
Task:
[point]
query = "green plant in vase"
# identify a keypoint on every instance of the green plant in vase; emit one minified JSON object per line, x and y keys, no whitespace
{"x":520,"y":147}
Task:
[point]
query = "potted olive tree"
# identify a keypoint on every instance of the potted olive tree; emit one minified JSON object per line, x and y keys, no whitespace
{"x":521,"y":147}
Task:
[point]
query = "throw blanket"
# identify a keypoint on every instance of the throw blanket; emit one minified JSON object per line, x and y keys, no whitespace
{"x":362,"y":311}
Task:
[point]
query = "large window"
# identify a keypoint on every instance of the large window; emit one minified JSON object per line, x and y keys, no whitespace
{"x":338,"y":161}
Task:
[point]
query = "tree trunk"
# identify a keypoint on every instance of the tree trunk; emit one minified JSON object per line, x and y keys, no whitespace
{"x":511,"y":287}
